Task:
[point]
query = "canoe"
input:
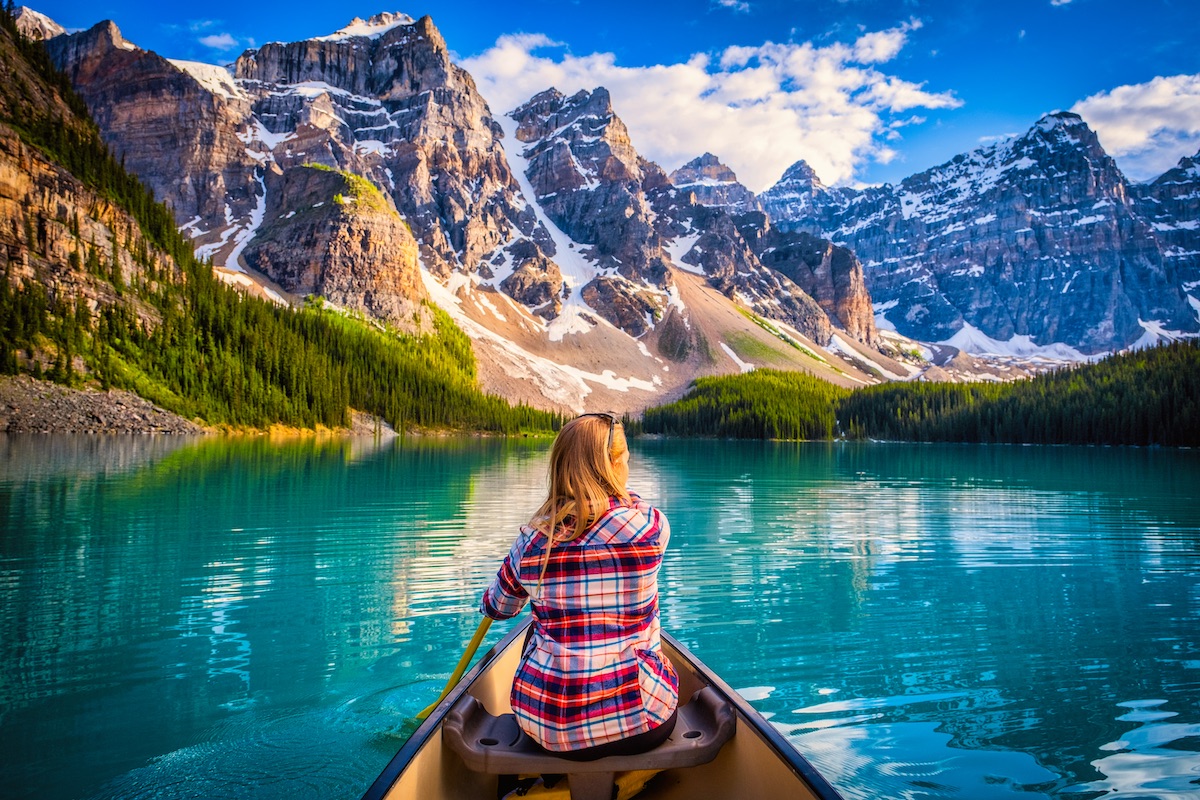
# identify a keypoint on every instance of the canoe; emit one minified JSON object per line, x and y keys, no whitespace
{"x":721,"y":747}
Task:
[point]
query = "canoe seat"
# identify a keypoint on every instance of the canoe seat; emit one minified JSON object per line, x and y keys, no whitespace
{"x":496,"y":746}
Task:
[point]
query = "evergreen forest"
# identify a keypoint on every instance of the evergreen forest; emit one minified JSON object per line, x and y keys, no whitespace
{"x":1144,"y":397}
{"x":762,"y":404}
{"x":179,"y":337}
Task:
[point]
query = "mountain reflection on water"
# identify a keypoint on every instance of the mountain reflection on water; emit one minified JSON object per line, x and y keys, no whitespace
{"x":245,"y":618}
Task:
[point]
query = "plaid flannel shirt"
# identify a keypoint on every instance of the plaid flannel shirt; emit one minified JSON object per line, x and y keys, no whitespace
{"x":592,"y":670}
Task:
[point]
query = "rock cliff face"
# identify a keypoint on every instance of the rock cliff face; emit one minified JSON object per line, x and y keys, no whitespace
{"x":379,"y":99}
{"x":179,"y":136}
{"x":830,"y":274}
{"x":1036,"y":236}
{"x":714,"y":184}
{"x":1171,"y":204}
{"x":331,"y":235}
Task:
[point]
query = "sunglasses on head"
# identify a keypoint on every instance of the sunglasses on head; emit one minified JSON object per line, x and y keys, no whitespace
{"x":613,"y":421}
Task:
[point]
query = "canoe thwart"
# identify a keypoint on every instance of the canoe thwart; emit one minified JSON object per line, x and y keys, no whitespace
{"x":496,"y":746}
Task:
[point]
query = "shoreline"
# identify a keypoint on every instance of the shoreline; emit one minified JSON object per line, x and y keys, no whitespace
{"x":29,"y":406}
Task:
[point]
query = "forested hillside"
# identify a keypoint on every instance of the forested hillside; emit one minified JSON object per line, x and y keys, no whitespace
{"x":763,"y":404}
{"x":1147,"y":397}
{"x":133,"y":307}
{"x":1144,"y":397}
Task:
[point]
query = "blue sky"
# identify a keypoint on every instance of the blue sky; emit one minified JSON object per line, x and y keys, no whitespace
{"x":866,"y":90}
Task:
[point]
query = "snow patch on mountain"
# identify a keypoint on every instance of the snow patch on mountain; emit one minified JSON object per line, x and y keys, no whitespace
{"x":371,"y":28}
{"x":972,"y":340}
{"x":218,"y":80}
{"x":576,"y":269}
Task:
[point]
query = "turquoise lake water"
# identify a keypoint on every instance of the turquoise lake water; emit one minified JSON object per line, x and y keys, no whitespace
{"x":241,"y":619}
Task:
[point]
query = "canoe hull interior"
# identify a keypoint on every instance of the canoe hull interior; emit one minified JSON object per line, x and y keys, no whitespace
{"x":756,"y":763}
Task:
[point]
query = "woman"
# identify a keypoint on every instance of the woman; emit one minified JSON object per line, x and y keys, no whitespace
{"x":592,"y":680}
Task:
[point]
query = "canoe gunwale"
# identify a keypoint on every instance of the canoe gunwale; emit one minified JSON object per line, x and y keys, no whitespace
{"x":433,"y":723}
{"x":750,"y":716}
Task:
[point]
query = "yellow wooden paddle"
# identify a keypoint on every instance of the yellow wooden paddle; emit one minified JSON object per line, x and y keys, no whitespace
{"x":480,"y":632}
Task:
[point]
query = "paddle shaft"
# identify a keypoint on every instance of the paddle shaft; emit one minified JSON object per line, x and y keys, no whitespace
{"x":480,"y":632}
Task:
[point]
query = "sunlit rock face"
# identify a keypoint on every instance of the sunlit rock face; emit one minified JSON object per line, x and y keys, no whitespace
{"x":1037,"y":236}
{"x":326,"y":234}
{"x":379,"y":99}
{"x":232,"y":150}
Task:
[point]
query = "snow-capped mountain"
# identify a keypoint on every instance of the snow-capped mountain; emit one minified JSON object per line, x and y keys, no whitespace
{"x":1034,"y":241}
{"x":35,"y":25}
{"x":1171,"y":204}
{"x":714,"y":184}
{"x":566,"y":256}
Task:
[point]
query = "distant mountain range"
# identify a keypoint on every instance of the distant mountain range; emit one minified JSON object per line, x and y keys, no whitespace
{"x":1033,"y":241}
{"x":584,"y":273}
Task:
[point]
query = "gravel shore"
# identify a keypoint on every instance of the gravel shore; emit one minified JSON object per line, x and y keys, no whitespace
{"x":32,"y":406}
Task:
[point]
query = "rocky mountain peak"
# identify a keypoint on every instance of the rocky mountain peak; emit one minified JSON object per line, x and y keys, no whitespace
{"x":586,"y":126}
{"x":388,"y":57}
{"x":705,"y":168}
{"x":801,"y":174}
{"x":714,"y":184}
{"x":1033,"y":236}
{"x":1062,"y":130}
{"x":795,"y":195}
{"x":35,"y":25}
{"x":371,"y":28}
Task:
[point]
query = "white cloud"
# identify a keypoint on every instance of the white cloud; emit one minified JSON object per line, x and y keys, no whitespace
{"x":736,"y":5}
{"x":219,"y":41}
{"x":1147,"y":127}
{"x":760,"y":109}
{"x":1060,"y":2}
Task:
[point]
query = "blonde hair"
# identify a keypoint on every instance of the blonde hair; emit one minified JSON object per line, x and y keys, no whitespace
{"x":582,"y":479}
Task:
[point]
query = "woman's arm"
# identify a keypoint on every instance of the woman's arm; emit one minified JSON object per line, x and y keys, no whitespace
{"x":506,"y":596}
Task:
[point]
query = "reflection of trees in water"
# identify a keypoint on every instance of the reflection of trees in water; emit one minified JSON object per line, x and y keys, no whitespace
{"x":29,"y":458}
{"x":233,"y":571}
{"x":1020,"y":582}
{"x":947,"y":585}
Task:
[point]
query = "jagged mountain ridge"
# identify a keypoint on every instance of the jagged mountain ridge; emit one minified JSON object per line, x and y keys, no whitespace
{"x":381,"y":99}
{"x":1037,"y":239}
{"x":594,"y":186}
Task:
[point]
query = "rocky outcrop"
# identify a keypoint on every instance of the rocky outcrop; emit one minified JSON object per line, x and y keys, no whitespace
{"x":537,"y":281}
{"x":336,"y":236}
{"x":1036,"y":236}
{"x":831,"y":275}
{"x":714,"y":184}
